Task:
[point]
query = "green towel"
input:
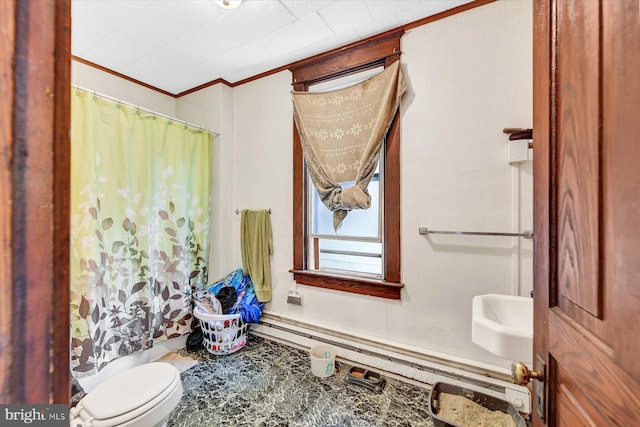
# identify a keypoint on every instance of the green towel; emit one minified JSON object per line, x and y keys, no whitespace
{"x":257,"y":244}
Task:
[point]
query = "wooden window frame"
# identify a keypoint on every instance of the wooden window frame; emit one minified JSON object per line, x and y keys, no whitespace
{"x":381,"y":50}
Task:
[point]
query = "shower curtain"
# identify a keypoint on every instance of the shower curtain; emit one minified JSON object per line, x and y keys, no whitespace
{"x":140,"y":201}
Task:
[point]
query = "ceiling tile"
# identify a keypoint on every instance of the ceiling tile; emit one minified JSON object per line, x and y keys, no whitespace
{"x":382,"y":9}
{"x":454,"y":3}
{"x":96,"y":19}
{"x":252,"y":20}
{"x":334,"y":42}
{"x":345,"y":15}
{"x":184,"y":13}
{"x":306,"y":31}
{"x":379,"y":25}
{"x":422,"y":9}
{"x":300,"y":8}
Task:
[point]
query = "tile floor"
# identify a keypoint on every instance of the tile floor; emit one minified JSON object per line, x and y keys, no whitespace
{"x":270,"y":384}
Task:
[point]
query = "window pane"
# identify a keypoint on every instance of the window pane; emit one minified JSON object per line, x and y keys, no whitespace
{"x":351,"y":256}
{"x":358,"y":223}
{"x":345,"y":81}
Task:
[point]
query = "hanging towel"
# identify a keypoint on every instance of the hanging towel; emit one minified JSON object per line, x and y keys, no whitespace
{"x":257,"y":244}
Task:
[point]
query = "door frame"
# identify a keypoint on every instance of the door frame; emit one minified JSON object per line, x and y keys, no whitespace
{"x":35,"y":92}
{"x":544,"y":167}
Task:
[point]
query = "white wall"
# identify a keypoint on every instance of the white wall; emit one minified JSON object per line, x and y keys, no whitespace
{"x":107,"y":84}
{"x":469,"y":77}
{"x":212,"y":107}
{"x":263,"y":169}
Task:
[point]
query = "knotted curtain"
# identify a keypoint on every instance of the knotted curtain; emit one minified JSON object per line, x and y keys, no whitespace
{"x":341,"y":133}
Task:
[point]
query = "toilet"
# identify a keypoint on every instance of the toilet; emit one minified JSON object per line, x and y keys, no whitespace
{"x":143,"y":396}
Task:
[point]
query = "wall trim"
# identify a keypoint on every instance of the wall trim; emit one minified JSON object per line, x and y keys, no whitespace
{"x":405,"y":27}
{"x":122,"y":76}
{"x":394,"y":359}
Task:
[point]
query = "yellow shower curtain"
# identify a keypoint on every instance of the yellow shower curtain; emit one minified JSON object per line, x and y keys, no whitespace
{"x":140,"y":201}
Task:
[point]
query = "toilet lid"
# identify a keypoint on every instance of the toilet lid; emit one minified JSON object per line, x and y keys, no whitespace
{"x":129,"y":390}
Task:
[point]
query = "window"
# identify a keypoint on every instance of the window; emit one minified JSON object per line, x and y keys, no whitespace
{"x":357,"y":249}
{"x":364,"y":257}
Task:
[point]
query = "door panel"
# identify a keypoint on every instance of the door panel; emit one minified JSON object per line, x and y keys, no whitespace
{"x":585,"y":367}
{"x":578,"y":154}
{"x":587,"y":210}
{"x":570,"y":411}
{"x":621,"y":115}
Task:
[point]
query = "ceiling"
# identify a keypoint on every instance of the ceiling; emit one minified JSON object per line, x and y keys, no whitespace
{"x":176,"y":45}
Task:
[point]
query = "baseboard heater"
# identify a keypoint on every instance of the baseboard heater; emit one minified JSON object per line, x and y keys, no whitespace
{"x":393,"y":361}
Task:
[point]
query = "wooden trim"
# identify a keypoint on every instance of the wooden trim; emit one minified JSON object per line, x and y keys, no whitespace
{"x":377,"y":51}
{"x":32,"y":223}
{"x":300,"y":241}
{"x":203,"y":86}
{"x":401,"y":28}
{"x":351,"y":58}
{"x":371,"y":287}
{"x":61,"y":209}
{"x":392,"y":203}
{"x":35,"y":317}
{"x":122,"y":76}
{"x":543,"y":243}
{"x":316,"y":253}
{"x":261,"y":75}
{"x":7,"y":47}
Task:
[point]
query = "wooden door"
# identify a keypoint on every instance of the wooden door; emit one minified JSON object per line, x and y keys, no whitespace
{"x":587,"y":212}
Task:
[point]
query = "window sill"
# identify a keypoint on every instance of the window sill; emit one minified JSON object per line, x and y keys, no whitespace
{"x":356,"y":285}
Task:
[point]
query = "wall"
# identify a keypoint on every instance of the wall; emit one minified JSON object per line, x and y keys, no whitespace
{"x":93,"y":79}
{"x":469,"y":76}
{"x":263,"y":172}
{"x":212,"y":108}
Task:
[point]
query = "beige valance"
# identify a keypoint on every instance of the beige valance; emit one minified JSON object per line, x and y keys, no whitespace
{"x":341,"y":133}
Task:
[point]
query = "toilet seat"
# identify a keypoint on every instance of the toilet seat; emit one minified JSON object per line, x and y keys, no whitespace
{"x":141,"y":396}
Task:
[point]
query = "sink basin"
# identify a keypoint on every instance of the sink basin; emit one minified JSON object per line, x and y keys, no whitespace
{"x":503,"y":325}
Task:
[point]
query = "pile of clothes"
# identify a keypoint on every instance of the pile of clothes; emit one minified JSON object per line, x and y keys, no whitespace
{"x":232,"y":295}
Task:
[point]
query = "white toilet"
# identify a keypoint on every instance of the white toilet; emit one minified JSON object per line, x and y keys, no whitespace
{"x":143,"y":396}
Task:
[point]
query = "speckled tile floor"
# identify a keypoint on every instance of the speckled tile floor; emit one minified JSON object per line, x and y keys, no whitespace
{"x":270,"y":384}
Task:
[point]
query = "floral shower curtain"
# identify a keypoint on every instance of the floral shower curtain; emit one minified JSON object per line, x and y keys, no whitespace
{"x":140,"y":200}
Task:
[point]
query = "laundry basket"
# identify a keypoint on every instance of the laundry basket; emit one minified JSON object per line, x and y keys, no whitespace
{"x":222,"y":334}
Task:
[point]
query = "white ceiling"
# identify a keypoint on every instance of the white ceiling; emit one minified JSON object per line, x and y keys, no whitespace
{"x":176,"y":45}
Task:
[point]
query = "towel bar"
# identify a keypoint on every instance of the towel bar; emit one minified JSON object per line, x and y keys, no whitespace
{"x":238,"y":211}
{"x":527,"y":234}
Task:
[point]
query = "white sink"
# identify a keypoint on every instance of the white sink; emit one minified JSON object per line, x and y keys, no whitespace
{"x":503,"y":325}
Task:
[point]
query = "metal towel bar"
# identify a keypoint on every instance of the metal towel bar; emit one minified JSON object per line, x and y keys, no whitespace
{"x":238,"y":211}
{"x":527,"y":234}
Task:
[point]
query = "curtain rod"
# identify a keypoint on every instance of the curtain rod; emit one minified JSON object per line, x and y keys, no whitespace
{"x":146,"y":110}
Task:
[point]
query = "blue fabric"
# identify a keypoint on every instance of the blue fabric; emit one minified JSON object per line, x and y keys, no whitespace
{"x":247,"y":304}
